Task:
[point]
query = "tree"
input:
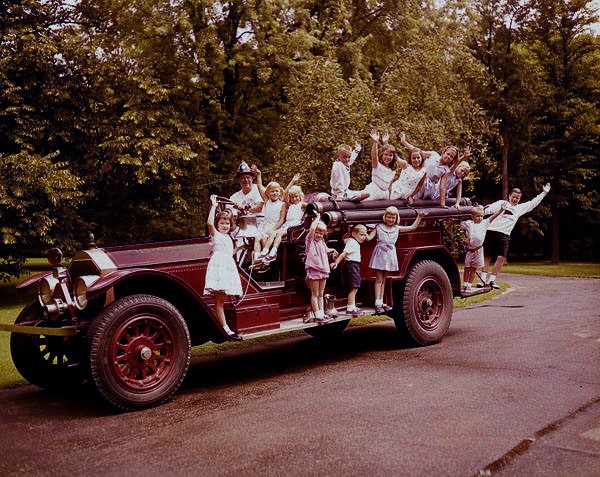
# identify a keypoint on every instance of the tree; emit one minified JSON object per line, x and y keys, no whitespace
{"x":565,"y":135}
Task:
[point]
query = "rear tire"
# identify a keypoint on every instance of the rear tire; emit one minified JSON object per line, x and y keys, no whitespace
{"x":139,"y":352}
{"x":423,"y":305}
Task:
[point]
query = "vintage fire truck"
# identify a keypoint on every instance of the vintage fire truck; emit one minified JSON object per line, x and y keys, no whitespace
{"x":125,"y":318}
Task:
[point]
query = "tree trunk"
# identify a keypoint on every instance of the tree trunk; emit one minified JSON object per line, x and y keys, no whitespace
{"x":504,"y":160}
{"x":555,"y":223}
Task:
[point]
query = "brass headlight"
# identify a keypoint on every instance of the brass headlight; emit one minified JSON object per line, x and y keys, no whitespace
{"x":46,"y":290}
{"x":80,"y":288}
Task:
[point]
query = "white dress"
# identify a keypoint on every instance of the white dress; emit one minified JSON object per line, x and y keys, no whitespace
{"x":222,"y":273}
{"x":407,"y":182}
{"x":293,"y":216}
{"x":272,"y":212}
{"x":381,"y":178}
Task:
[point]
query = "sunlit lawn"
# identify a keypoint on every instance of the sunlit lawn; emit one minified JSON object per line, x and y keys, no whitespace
{"x":11,"y":303}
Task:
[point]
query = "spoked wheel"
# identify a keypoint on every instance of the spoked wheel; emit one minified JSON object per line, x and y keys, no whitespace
{"x":139,"y":352}
{"x":426,"y":303}
{"x":329,"y":330}
{"x":50,"y":362}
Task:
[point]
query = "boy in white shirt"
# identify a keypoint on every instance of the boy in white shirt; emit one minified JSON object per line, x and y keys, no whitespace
{"x":498,"y":236}
{"x":340,"y":174}
{"x":475,"y":231}
{"x":352,"y":276}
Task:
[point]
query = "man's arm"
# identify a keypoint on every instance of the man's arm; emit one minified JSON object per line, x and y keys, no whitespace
{"x":525,"y":207}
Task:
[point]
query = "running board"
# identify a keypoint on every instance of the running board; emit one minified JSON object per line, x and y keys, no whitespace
{"x":475,"y":291}
{"x":299,"y":324}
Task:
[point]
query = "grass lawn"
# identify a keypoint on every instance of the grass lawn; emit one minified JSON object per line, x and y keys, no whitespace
{"x":567,"y":269}
{"x":12,"y":301}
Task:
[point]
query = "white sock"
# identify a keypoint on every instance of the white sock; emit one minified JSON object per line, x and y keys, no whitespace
{"x":378,"y":302}
{"x":351,"y":308}
{"x":492,"y":278}
{"x":228,"y":330}
{"x":484,"y":276}
{"x":320,"y":314}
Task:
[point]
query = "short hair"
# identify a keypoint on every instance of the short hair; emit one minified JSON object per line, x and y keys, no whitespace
{"x":477,"y":210}
{"x":273,"y":185}
{"x":344,"y":148}
{"x":225,"y":214}
{"x":392,"y":211}
{"x":516,"y":190}
{"x":463,"y":165}
{"x":359,"y":228}
{"x":321,"y":227}
{"x":295,"y":189}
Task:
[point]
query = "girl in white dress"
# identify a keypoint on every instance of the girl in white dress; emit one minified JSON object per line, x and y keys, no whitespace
{"x":384,"y":167}
{"x":291,"y":215}
{"x":411,"y":179}
{"x":222,"y":276}
{"x":272,"y":196}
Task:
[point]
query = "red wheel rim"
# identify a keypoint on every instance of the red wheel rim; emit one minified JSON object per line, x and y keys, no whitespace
{"x":429,"y":303}
{"x":141,"y":353}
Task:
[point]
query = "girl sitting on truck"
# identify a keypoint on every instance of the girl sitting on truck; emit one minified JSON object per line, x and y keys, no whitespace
{"x":291,"y":215}
{"x":384,"y":165}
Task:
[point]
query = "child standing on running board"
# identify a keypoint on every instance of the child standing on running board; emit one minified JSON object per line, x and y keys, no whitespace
{"x":384,"y":258}
{"x":475,"y":232}
{"x":222,"y":277}
{"x":317,"y":267}
{"x":384,"y":167}
{"x":351,"y":255}
{"x":340,"y":174}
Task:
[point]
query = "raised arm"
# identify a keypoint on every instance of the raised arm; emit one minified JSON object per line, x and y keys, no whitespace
{"x":259,"y":184}
{"x":313,"y":226}
{"x":355,"y":152}
{"x":498,"y":212}
{"x":210,"y":221}
{"x":410,"y":147}
{"x":415,"y":224}
{"x":375,"y":149}
{"x":294,"y":181}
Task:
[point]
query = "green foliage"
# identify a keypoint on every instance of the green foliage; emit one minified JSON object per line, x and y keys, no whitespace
{"x":148,"y":107}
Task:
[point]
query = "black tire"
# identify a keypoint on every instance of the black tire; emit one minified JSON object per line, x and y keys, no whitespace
{"x":423,"y":304}
{"x":140,"y":351}
{"x":49,"y":362}
{"x":329,"y":330}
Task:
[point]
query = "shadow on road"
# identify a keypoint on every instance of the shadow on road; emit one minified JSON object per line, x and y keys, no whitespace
{"x":292,"y":355}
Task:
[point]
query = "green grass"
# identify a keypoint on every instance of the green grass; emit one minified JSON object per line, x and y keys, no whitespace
{"x":12,"y":301}
{"x":566,"y":269}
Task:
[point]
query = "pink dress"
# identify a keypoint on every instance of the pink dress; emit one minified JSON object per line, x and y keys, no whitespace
{"x":317,"y":263}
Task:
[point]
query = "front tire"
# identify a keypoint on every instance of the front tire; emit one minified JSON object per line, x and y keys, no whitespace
{"x":49,"y":362}
{"x":423,"y":306}
{"x":140,"y":351}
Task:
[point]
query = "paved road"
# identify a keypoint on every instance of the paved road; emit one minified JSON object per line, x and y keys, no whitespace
{"x":514,"y":389}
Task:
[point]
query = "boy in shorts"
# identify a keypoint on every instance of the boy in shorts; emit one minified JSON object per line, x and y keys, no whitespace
{"x":475,"y":231}
{"x":351,"y":270}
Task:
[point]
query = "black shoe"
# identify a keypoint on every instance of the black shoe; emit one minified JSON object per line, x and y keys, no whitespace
{"x":494,"y":286}
{"x":379,"y":310}
{"x":234,"y":337}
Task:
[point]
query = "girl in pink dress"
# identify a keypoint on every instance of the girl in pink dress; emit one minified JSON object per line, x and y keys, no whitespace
{"x":317,"y":267}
